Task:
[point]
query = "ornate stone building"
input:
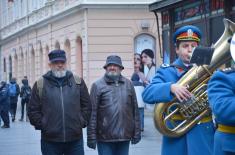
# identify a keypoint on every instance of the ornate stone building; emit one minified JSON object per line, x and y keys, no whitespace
{"x":88,"y":30}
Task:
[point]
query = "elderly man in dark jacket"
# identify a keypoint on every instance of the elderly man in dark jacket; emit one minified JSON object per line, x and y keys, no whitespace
{"x":115,"y":119}
{"x":60,"y":107}
{"x":4,"y":104}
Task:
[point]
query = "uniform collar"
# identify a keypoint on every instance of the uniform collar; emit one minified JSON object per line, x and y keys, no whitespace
{"x":180,"y":65}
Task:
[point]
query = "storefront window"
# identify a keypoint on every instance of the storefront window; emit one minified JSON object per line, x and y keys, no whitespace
{"x":165,"y":18}
{"x":217,"y":5}
{"x":192,"y":11}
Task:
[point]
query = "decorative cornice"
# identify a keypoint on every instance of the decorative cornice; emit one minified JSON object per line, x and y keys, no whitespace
{"x":60,"y":15}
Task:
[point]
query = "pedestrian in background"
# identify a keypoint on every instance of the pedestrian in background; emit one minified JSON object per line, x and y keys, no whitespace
{"x":115,"y":117}
{"x":147,"y":56}
{"x":60,"y":107}
{"x":139,"y":68}
{"x":14,"y":91}
{"x":138,"y":81}
{"x":4,"y":104}
{"x":25,"y":95}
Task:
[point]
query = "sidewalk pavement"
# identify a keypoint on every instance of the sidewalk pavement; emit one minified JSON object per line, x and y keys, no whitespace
{"x":22,"y":139}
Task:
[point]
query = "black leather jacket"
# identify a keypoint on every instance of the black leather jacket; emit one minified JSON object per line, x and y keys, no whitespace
{"x":62,"y":110}
{"x":115,"y":115}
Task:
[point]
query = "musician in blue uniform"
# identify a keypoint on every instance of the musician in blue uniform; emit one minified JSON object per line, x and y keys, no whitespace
{"x":164,"y":87}
{"x":221,"y":94}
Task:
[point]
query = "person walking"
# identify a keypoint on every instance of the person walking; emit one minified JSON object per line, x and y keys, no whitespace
{"x":115,"y":117}
{"x":138,"y":81}
{"x":25,"y":94}
{"x":4,"y":104}
{"x":164,"y":87}
{"x":14,"y":91}
{"x":60,"y":107}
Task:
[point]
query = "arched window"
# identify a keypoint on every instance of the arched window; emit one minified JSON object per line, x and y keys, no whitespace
{"x":57,"y":45}
{"x":16,"y":66}
{"x":10,"y":68}
{"x":4,"y":65}
{"x":40,"y":58}
{"x":67,"y":48}
{"x":32,"y":65}
{"x":79,"y":56}
{"x":47,"y":59}
{"x":26,"y":61}
{"x":144,"y":41}
{"x":21,"y":63}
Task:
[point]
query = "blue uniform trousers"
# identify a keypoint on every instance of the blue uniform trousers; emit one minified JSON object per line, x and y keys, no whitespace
{"x":195,"y":142}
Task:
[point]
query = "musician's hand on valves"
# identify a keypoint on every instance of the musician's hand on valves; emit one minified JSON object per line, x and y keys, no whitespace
{"x":181,"y":92}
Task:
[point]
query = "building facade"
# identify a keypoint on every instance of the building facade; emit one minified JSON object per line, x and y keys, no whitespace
{"x":87,"y":30}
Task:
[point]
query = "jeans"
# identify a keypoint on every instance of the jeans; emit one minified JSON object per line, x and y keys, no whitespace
{"x":141,"y":112}
{"x":13,"y":107}
{"x":62,"y":148}
{"x":113,"y":148}
{"x":23,"y":102}
{"x":4,"y":112}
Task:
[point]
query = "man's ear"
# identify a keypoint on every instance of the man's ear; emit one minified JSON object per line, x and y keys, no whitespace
{"x":177,"y":50}
{"x":49,"y":64}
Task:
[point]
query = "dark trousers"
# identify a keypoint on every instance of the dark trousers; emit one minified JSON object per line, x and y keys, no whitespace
{"x":62,"y":148}
{"x":13,"y":107}
{"x":141,"y":112}
{"x":113,"y":148}
{"x":23,"y":103}
{"x":4,"y":112}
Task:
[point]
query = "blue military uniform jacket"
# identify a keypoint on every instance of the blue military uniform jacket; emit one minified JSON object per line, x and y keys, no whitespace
{"x":221,"y":93}
{"x":199,"y":140}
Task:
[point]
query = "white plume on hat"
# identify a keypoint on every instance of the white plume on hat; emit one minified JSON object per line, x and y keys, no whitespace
{"x":232,"y":47}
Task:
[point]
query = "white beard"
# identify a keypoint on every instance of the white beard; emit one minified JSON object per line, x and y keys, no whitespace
{"x":113,"y":75}
{"x":59,"y":74}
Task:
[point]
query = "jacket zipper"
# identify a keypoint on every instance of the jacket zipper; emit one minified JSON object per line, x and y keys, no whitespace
{"x":62,"y":104}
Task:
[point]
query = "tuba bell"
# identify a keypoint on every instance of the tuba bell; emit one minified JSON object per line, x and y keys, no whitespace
{"x":192,"y":111}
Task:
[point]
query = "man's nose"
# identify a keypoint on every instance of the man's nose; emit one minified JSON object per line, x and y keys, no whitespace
{"x":190,"y":49}
{"x":59,"y":64}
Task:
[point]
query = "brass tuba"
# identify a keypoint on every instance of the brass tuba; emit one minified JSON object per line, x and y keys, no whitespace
{"x":192,"y":111}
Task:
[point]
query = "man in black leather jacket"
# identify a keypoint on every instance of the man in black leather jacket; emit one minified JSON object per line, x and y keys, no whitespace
{"x":115,"y":119}
{"x":61,"y":110}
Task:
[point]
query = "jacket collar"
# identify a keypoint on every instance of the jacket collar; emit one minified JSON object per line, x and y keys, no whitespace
{"x":120,"y":80}
{"x":49,"y":76}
